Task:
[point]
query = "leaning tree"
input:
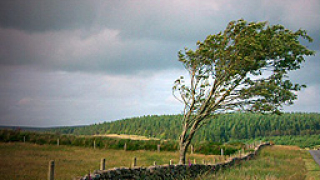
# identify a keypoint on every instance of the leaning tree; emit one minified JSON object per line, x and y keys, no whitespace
{"x":243,"y":68}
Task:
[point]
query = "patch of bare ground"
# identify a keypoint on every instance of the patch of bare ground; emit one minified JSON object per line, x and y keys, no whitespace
{"x":126,"y":136}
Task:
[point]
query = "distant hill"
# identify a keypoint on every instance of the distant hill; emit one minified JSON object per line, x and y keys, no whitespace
{"x":235,"y":126}
{"x":25,"y":128}
{"x":30,"y":128}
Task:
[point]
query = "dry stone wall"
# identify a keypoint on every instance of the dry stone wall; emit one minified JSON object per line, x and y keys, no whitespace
{"x":189,"y":171}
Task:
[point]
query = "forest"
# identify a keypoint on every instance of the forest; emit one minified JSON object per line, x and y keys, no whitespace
{"x":224,"y":128}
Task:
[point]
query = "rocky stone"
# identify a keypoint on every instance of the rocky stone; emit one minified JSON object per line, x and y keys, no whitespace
{"x":166,"y":171}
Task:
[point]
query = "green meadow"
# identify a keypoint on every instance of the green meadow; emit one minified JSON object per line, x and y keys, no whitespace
{"x":273,"y":163}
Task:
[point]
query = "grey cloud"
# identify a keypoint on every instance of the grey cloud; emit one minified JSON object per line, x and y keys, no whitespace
{"x":79,"y":62}
{"x":100,"y":52}
{"x":46,"y":15}
{"x":40,"y":98}
{"x":309,"y":72}
{"x":50,"y":33}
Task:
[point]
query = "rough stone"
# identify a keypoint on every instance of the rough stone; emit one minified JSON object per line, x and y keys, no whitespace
{"x":167,"y":171}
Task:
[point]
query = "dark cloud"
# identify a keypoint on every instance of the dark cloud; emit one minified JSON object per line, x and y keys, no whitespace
{"x":78,"y":62}
{"x":46,"y":15}
{"x":128,"y":36}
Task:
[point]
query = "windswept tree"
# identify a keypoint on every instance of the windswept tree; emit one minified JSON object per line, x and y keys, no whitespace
{"x":243,"y":68}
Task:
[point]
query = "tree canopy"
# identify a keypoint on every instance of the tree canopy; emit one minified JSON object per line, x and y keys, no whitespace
{"x":243,"y":68}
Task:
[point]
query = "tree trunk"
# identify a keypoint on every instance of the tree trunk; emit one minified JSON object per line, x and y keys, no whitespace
{"x":183,"y":151}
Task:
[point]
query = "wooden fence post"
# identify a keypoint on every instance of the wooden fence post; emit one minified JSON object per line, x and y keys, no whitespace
{"x":58,"y":143}
{"x":125,"y":147}
{"x":158,"y":147}
{"x":51,"y":170}
{"x":154,"y":163}
{"x":103,"y":164}
{"x":170,"y":163}
{"x":24,"y":139}
{"x":221,"y":152}
{"x":134,"y":163}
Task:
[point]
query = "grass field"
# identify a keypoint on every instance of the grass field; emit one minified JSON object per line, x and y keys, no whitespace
{"x":30,"y":162}
{"x":126,"y":136}
{"x":273,"y":163}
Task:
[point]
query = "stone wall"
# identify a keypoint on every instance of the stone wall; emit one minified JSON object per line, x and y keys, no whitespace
{"x":167,"y":171}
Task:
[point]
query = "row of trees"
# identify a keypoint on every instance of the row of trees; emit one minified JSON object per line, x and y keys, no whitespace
{"x":235,"y":126}
{"x":113,"y":143}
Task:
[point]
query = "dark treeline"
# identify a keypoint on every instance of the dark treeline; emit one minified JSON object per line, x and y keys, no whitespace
{"x":224,"y":128}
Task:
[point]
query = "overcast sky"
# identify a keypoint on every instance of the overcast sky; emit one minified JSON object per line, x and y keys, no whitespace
{"x":83,"y":62}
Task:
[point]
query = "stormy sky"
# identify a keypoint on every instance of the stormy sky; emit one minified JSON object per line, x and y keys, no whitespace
{"x":83,"y":62}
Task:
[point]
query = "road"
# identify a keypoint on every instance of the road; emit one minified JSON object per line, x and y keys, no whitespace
{"x":316,"y":155}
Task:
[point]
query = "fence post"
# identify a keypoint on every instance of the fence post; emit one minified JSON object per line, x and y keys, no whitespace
{"x":134,"y":163}
{"x":103,"y":164}
{"x":51,"y":170}
{"x":24,"y":139}
{"x":94,"y":144}
{"x":158,"y":147}
{"x":154,"y":163}
{"x":58,"y":143}
{"x":221,"y":152}
{"x":204,"y":162}
{"x":170,"y":163}
{"x":125,"y":147}
{"x":194,"y":161}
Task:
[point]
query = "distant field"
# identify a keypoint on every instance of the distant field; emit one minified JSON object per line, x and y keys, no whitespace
{"x":274,"y":163}
{"x":126,"y":136}
{"x":28,"y":161}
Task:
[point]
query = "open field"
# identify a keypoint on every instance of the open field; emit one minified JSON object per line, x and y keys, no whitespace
{"x":30,"y":161}
{"x":126,"y":136}
{"x":274,"y":163}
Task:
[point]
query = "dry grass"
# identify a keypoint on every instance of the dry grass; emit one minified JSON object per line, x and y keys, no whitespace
{"x":126,"y":136}
{"x":29,"y":161}
{"x":274,"y":163}
{"x":312,"y":168}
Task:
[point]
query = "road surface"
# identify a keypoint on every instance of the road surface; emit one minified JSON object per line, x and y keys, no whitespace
{"x":316,"y":155}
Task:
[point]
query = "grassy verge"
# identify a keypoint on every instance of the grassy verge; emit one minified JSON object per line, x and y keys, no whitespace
{"x":30,"y":161}
{"x":273,"y":163}
{"x":312,"y":168}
